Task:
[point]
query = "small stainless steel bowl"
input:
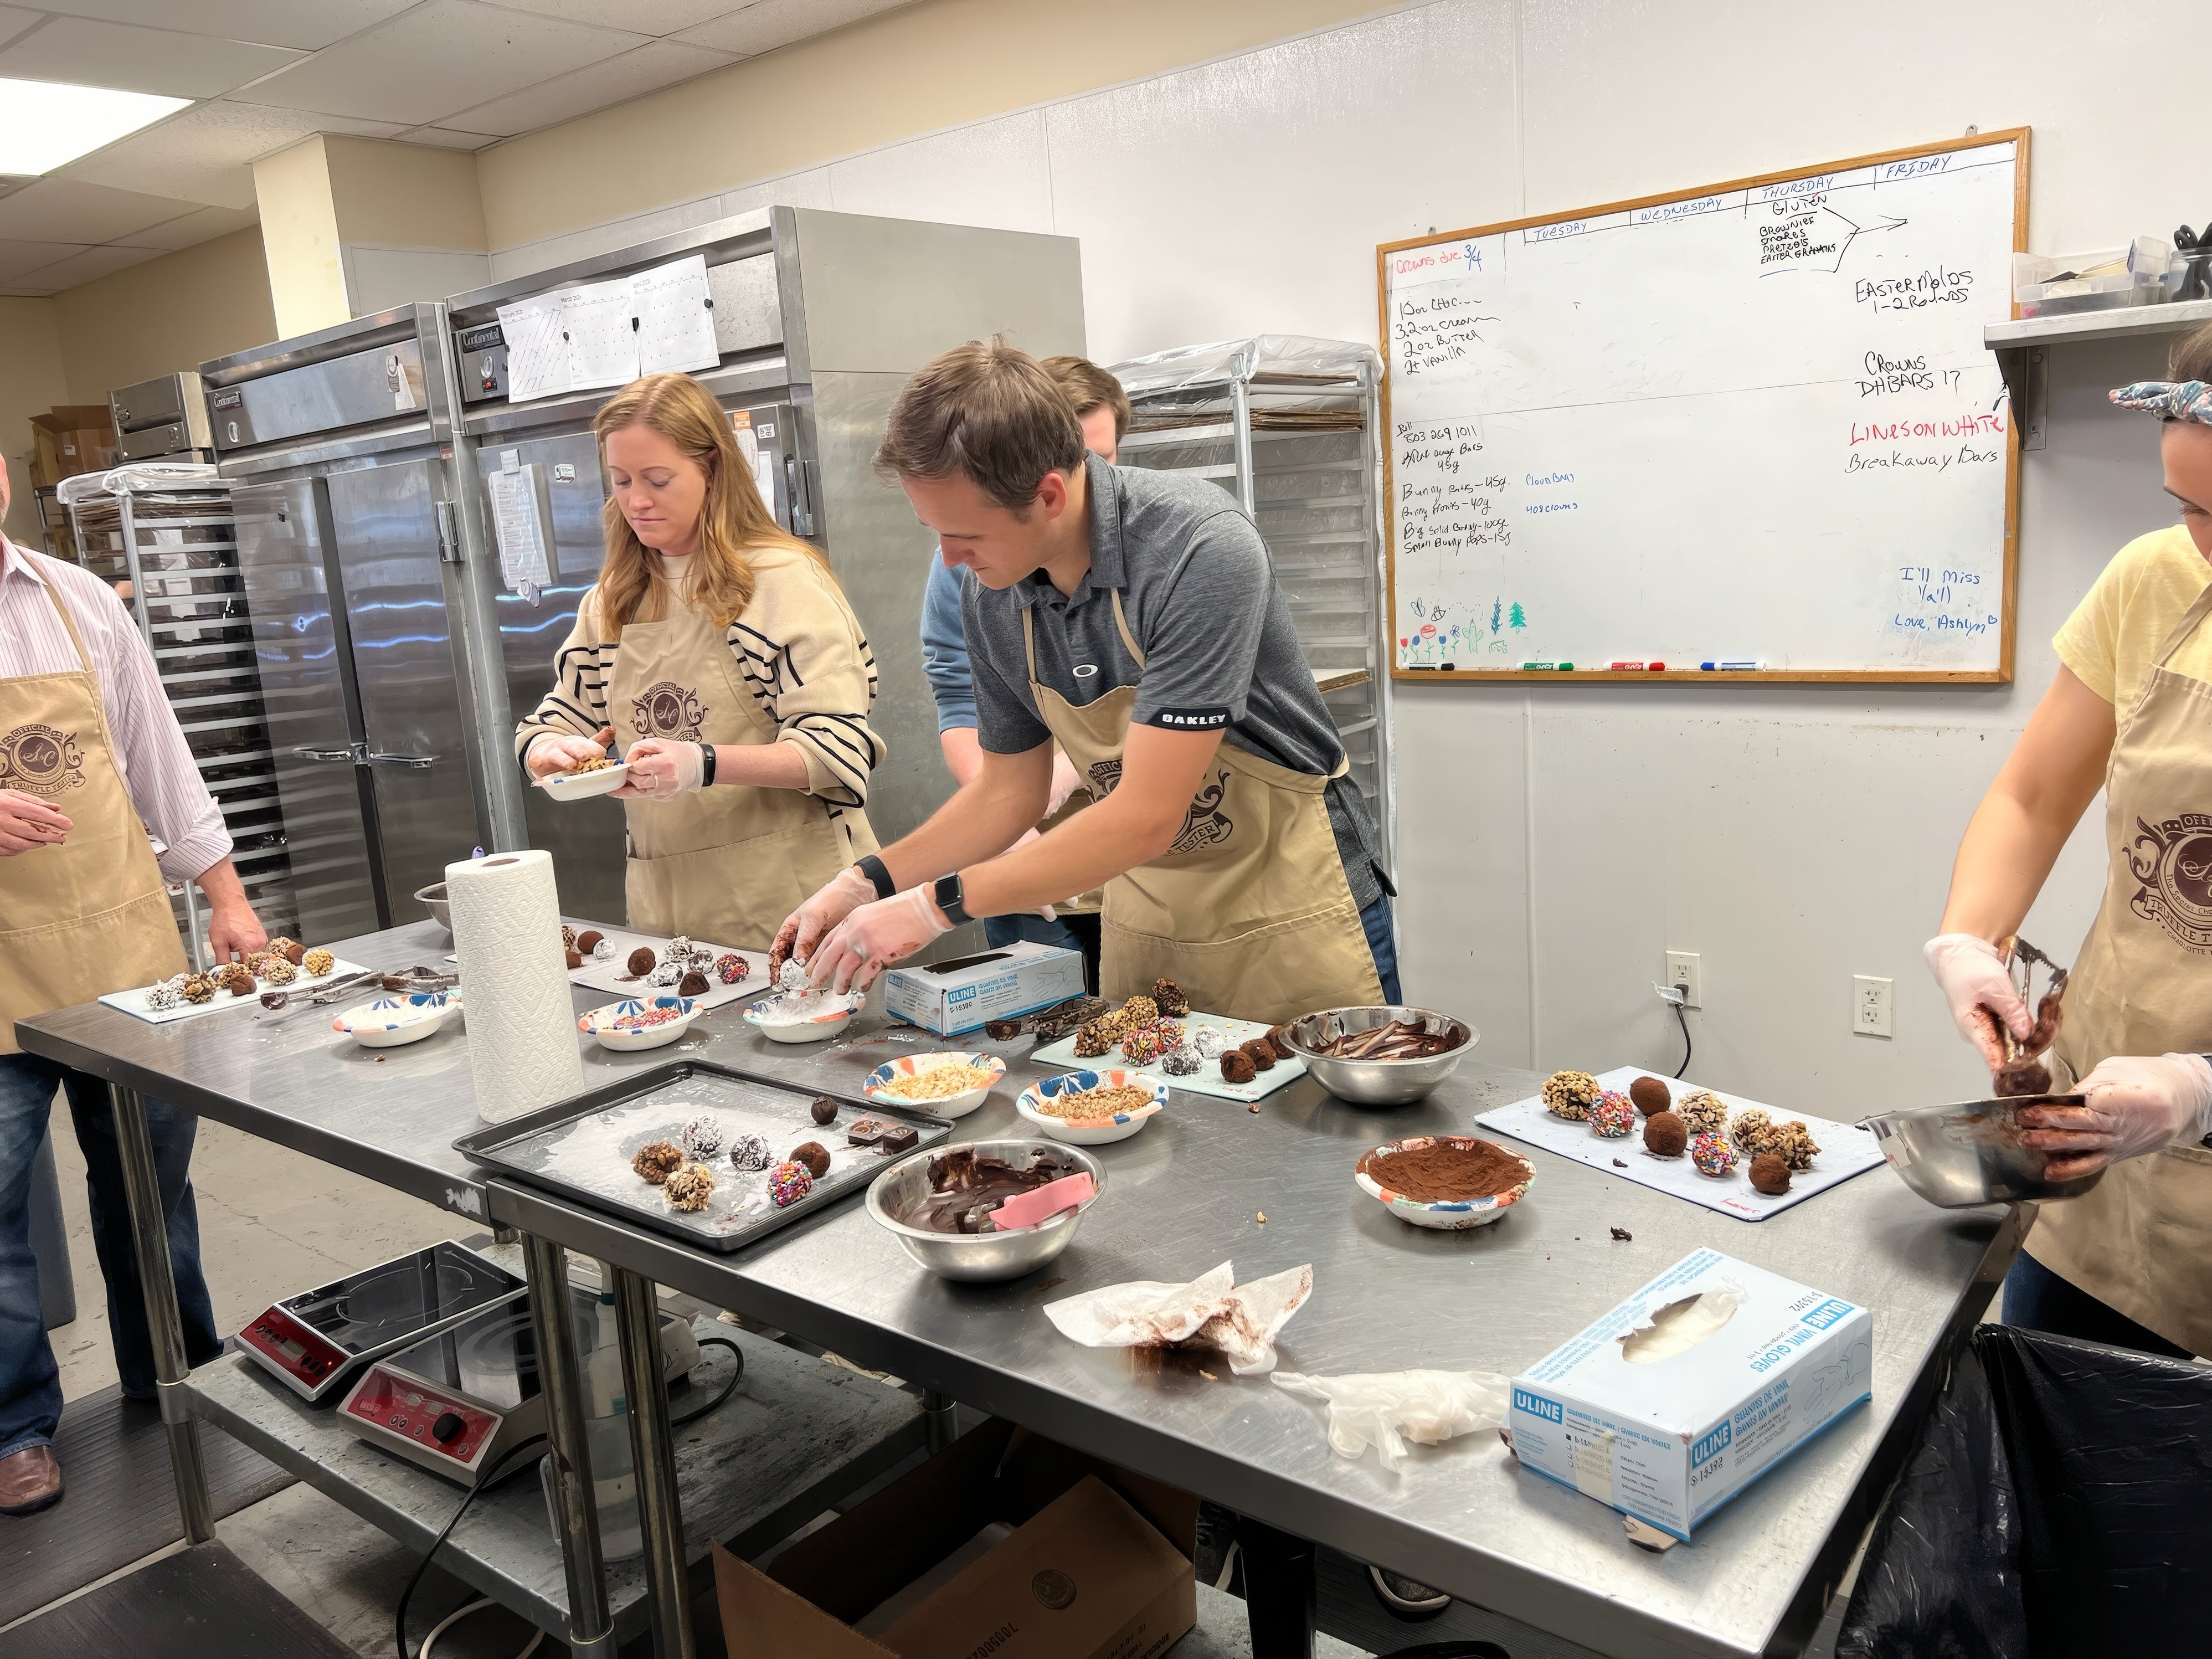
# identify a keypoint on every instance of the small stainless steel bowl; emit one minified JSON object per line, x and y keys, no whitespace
{"x":433,"y":897}
{"x":1971,"y":1153}
{"x":981,"y":1256}
{"x":1377,"y":1082}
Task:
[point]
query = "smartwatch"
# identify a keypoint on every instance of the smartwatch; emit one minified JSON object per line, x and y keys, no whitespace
{"x":706,"y":766}
{"x":877,"y":874}
{"x":947,"y":892}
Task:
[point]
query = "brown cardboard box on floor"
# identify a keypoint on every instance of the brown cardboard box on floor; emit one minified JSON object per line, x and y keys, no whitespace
{"x":1098,"y":1565}
{"x":69,"y":438}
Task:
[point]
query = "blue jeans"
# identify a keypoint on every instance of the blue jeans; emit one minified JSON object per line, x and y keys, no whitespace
{"x":30,"y":1384}
{"x":2038,"y":1299}
{"x":1077,"y":932}
{"x":1375,"y":923}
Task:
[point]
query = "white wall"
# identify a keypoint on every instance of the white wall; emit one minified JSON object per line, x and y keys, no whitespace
{"x":1557,"y":842}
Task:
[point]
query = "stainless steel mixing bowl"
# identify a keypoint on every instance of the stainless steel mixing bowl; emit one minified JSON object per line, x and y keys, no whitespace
{"x":1972,"y":1153}
{"x":1377,"y":1082}
{"x":433,"y":899}
{"x":978,"y":1256}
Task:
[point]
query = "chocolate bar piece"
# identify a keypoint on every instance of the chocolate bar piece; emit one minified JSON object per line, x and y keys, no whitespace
{"x":900,"y":1138}
{"x":866,"y":1131}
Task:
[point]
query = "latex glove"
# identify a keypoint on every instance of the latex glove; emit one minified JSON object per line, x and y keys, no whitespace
{"x":1028,"y":835}
{"x":26,"y":822}
{"x":661,"y":770}
{"x":1066,"y":781}
{"x":2137,"y":1105}
{"x":1972,"y":977}
{"x":560,"y":751}
{"x":802,"y":930}
{"x":872,"y":938}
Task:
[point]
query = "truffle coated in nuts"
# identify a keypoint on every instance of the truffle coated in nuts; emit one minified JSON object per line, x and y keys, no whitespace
{"x":1569,"y":1095}
{"x":1096,"y":1037}
{"x":317,"y":963}
{"x":1237,"y":1067}
{"x":1750,"y":1130}
{"x":693,"y":984}
{"x":823,"y":1109}
{"x":197,"y":988}
{"x":689,"y":1188}
{"x":283,"y":945}
{"x":642,"y":960}
{"x":1665,"y":1135}
{"x":280,"y":972}
{"x":1169,"y":998}
{"x":1702,"y":1113}
{"x":814,"y":1155}
{"x":1650,"y":1096}
{"x":656,"y":1160}
{"x":1769,"y":1174}
{"x":1260,"y":1052}
{"x":576,"y":957}
{"x":588,"y":940}
{"x":1793,"y":1143}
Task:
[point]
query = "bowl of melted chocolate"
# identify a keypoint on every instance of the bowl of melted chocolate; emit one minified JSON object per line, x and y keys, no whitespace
{"x":942,"y":1205}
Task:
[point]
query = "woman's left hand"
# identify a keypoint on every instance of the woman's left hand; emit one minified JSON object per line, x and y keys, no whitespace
{"x":2137,"y":1105}
{"x":660,"y":770}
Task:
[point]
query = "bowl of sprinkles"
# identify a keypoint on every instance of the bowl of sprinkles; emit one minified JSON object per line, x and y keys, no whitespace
{"x":638,"y":1023}
{"x":1092,"y":1109}
{"x":945,"y":1085}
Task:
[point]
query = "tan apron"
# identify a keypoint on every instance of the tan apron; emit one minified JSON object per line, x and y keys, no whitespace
{"x":2141,"y":1238}
{"x":726,"y":864}
{"x":91,"y":915}
{"x":1249,"y":911}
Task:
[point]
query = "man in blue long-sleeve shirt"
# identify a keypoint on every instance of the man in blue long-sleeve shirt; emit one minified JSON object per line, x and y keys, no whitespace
{"x":1102,"y":408}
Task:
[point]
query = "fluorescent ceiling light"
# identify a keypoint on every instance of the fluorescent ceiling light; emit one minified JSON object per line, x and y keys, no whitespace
{"x":44,"y":124}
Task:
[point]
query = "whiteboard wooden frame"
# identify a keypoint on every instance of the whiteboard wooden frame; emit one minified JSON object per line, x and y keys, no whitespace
{"x":2004,"y":673}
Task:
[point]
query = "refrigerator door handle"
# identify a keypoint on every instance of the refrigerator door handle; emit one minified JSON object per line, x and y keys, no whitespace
{"x":353,"y":756}
{"x":420,"y":763}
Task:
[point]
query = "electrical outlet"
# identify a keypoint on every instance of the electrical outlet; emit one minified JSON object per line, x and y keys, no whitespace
{"x":1683,"y":973}
{"x":1870,"y":1005}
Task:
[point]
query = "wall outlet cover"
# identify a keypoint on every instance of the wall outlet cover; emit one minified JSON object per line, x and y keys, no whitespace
{"x":1871,"y":1004}
{"x":1683,"y":971}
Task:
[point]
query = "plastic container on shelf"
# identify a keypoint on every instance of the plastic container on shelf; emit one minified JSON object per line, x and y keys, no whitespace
{"x":607,"y":1432}
{"x":2105,"y":279}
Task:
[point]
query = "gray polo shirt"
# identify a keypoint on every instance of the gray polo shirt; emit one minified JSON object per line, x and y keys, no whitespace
{"x":1199,"y":591}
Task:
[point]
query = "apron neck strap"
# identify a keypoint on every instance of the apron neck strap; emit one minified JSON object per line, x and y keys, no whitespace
{"x":1120,"y":620}
{"x":68,"y":625}
{"x":2191,"y":621}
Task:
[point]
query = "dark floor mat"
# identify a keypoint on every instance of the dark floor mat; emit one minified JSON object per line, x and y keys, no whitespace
{"x":200,"y":1603}
{"x":118,"y":1504}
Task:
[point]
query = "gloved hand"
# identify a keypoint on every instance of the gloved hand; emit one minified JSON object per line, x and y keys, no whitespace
{"x":802,"y":930}
{"x":872,"y":938}
{"x":1066,"y":781}
{"x":1972,"y":977}
{"x":660,"y":770}
{"x":2137,"y":1105}
{"x":558,"y":751}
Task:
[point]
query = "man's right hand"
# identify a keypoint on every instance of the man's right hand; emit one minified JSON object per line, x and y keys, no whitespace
{"x":802,"y":930}
{"x":557,"y":752}
{"x":26,"y":822}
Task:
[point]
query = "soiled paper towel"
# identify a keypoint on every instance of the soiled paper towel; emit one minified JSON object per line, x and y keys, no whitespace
{"x":523,"y":1051}
{"x":1211,"y":1311}
{"x":1385,"y":1409}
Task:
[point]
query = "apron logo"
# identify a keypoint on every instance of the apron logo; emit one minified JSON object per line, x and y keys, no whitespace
{"x":668,"y":710}
{"x":1205,"y":824}
{"x":2172,"y":859}
{"x":1103,"y":776}
{"x":40,"y":761}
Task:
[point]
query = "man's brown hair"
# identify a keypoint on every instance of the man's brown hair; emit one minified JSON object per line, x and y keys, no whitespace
{"x":990,"y":413}
{"x":1088,"y":388}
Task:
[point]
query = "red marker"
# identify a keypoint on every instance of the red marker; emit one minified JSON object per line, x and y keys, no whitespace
{"x":1638,"y":667}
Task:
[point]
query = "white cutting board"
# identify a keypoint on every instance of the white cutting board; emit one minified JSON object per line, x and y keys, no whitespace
{"x":1845,"y":1150}
{"x":1207,"y":1080}
{"x":613,"y":973}
{"x":134,"y":1002}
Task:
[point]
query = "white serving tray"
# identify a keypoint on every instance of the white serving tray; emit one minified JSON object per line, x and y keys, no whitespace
{"x":1845,"y":1150}
{"x":1207,"y":1080}
{"x":613,"y":973}
{"x":134,"y":1002}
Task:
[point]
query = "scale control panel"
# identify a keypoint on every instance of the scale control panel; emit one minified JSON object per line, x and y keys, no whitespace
{"x":435,"y":1423}
{"x":299,"y":1356}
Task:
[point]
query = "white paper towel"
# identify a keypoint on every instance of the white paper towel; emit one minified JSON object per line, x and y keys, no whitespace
{"x":521,"y":1024}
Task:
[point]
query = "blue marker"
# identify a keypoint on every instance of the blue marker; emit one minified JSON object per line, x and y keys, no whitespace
{"x":1751,"y":667}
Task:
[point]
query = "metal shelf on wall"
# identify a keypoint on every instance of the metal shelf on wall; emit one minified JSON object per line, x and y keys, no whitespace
{"x":1286,"y":425}
{"x":2021,"y":347}
{"x":174,"y":543}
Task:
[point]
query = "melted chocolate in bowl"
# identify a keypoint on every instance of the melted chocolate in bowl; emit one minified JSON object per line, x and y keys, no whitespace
{"x":964,"y":1188}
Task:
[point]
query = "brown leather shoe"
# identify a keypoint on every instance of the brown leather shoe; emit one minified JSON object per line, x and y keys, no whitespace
{"x":30,"y":1481}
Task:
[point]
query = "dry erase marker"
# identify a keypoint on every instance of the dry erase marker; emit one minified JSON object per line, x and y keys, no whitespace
{"x":1638,"y":667}
{"x":1547,"y":667}
{"x":1752,"y":666}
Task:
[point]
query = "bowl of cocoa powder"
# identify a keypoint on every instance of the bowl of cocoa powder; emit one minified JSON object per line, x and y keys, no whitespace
{"x":1447,"y":1182}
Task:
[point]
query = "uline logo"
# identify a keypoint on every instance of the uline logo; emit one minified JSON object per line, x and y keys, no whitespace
{"x":668,"y":710}
{"x":1535,"y":1405}
{"x":2172,"y":860}
{"x":41,"y":761}
{"x":1826,"y":1314}
{"x":1713,"y":1445}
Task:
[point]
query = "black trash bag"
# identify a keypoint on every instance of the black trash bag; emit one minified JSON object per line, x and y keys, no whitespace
{"x":2058,"y":1501}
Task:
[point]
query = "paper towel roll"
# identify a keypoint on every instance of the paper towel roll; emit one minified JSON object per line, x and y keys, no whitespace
{"x":521,"y":1024}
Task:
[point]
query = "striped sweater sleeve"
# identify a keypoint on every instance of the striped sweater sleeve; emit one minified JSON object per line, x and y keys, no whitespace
{"x":577,"y":704}
{"x":803,"y":655}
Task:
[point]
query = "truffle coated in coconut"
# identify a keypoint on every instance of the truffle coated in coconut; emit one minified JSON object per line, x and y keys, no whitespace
{"x":1751,"y":1129}
{"x":166,"y":994}
{"x":1793,"y":1143}
{"x":1210,"y":1041}
{"x":1168,"y":997}
{"x":1702,"y":1113}
{"x":702,"y":1137}
{"x":1665,"y":1135}
{"x":1181,"y":1062}
{"x":1571,"y":1095}
{"x":814,"y":1155}
{"x":568,"y":937}
{"x":750,"y":1153}
{"x":642,"y":960}
{"x":667,"y":975}
{"x":1769,"y":1174}
{"x":1237,"y":1067}
{"x":656,"y":1161}
{"x":1650,"y":1095}
{"x":689,"y":1188}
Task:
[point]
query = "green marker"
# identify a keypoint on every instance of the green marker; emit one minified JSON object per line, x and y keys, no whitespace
{"x":1547,"y":667}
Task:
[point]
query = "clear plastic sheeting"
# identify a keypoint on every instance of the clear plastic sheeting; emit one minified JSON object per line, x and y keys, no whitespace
{"x":1271,"y":358}
{"x":139,"y":476}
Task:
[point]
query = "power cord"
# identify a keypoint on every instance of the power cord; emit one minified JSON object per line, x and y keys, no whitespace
{"x":728,"y":1388}
{"x":1675,"y":998}
{"x":463,"y":1612}
{"x":399,"y":1618}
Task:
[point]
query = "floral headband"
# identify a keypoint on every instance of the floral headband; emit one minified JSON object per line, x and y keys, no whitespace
{"x":2170,"y":400}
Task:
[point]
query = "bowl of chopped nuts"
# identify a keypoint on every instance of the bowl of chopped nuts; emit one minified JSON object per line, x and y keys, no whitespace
{"x":948,"y":1083}
{"x":597,"y":777}
{"x":1092,"y":1109}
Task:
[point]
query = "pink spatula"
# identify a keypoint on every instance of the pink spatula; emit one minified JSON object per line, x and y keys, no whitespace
{"x":1042,"y":1203}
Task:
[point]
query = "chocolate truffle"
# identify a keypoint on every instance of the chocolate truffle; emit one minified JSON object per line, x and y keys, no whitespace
{"x":1713,"y":1155}
{"x":814,"y":1155}
{"x":316,"y":963}
{"x":567,"y":938}
{"x":1002,"y":1030}
{"x":280,"y":972}
{"x":283,"y":945}
{"x":750,"y":1153}
{"x":824,"y":1109}
{"x":275,"y":999}
{"x":702,"y":1137}
{"x":1181,"y":1062}
{"x":689,"y":1188}
{"x":1237,"y":1067}
{"x":1275,"y":1041}
{"x":866,"y":1131}
{"x":1769,"y":1174}
{"x":1665,"y":1135}
{"x":642,"y":960}
{"x":1096,"y":1037}
{"x":788,"y":1183}
{"x":693,"y":984}
{"x":1650,"y":1096}
{"x":1702,"y":1113}
{"x":901,"y":1138}
{"x":1569,"y":1095}
{"x":1793,"y":1143}
{"x":1259,"y":1052}
{"x":656,"y":1161}
{"x":1751,"y":1129}
{"x":237,"y":980}
{"x":1168,"y":997}
{"x":576,"y":957}
{"x":1613,"y":1116}
{"x":295,"y":952}
{"x":588,"y":940}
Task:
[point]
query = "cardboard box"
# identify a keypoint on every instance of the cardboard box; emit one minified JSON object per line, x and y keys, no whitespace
{"x":1693,"y":1389}
{"x":952,"y":997}
{"x":1097,"y":1565}
{"x":69,"y":439}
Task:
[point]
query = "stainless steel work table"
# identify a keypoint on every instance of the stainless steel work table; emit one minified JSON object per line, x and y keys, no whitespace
{"x":1185,"y":1193}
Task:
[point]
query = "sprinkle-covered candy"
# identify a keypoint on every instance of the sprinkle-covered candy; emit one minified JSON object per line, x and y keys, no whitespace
{"x":1613,"y":1117}
{"x":1713,"y":1155}
{"x":789,"y":1183}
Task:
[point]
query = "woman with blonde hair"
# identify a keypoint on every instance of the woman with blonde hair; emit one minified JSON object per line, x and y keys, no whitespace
{"x":719,"y":655}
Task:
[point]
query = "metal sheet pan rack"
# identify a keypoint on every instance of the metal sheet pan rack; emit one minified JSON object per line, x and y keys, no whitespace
{"x":175,"y":545}
{"x":1286,"y":425}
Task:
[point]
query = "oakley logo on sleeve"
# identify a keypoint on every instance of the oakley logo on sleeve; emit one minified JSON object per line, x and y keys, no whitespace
{"x":1192,"y":720}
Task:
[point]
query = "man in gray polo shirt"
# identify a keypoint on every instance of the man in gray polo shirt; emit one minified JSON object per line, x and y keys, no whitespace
{"x":1133,"y":615}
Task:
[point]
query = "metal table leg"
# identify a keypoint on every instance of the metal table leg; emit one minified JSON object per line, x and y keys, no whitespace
{"x":546,"y":1265}
{"x":652,"y":1449}
{"x":1281,"y":1590}
{"x":150,"y":1235}
{"x":938,"y":1427}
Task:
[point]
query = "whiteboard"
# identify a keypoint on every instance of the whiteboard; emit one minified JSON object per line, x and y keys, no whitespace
{"x":1753,"y":424}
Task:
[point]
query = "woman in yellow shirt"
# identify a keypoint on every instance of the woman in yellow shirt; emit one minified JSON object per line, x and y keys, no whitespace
{"x":2130,"y":711}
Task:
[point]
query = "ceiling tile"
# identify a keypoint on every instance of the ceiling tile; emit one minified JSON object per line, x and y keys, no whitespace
{"x":204,"y":153}
{"x":89,"y":264}
{"x":646,"y":16}
{"x":305,"y":24}
{"x":68,"y":210}
{"x":88,"y":53}
{"x":13,"y":21}
{"x":440,"y":57}
{"x":18,"y":259}
{"x":192,"y":229}
{"x":446,"y":139}
{"x":656,"y":64}
{"x":767,"y":24}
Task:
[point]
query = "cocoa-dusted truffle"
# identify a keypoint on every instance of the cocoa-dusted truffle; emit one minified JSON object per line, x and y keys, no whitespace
{"x":1665,"y":1135}
{"x":823,"y":1109}
{"x":642,"y":960}
{"x":1769,"y":1174}
{"x":576,"y":957}
{"x":316,"y":963}
{"x":1169,"y":998}
{"x":588,"y":940}
{"x":1237,"y":1067}
{"x":1277,"y":1044}
{"x":689,"y":1188}
{"x":693,"y":984}
{"x":814,"y":1155}
{"x":1650,"y":1096}
{"x":1571,"y":1095}
{"x":283,"y":945}
{"x":1260,"y":1052}
{"x":237,"y":980}
{"x":295,"y":952}
{"x":1702,"y":1112}
{"x":657,"y":1160}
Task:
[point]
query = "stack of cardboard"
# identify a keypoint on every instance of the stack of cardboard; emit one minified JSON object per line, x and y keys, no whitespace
{"x":69,"y":439}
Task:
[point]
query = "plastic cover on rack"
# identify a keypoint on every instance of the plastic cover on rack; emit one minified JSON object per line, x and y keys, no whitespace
{"x":139,"y":475}
{"x":1191,"y":368}
{"x":2058,"y":1500}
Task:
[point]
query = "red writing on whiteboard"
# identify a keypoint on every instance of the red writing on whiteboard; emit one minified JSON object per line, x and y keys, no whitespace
{"x":1988,"y":425}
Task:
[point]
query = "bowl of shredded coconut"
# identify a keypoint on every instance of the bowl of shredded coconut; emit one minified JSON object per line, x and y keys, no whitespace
{"x":804,"y":1015}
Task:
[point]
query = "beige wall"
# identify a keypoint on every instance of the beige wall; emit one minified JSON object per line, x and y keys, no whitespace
{"x":404,"y":195}
{"x":32,"y":381}
{"x":917,"y":70}
{"x":300,"y":233}
{"x":169,"y":313}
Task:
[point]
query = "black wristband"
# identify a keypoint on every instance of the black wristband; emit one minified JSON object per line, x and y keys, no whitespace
{"x":880,"y":877}
{"x":706,"y":766}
